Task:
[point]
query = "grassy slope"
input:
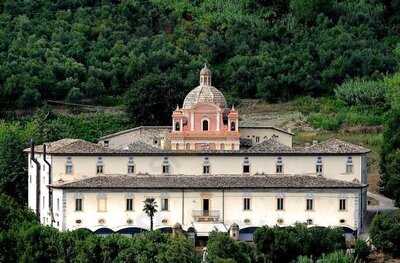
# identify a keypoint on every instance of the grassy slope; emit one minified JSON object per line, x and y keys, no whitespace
{"x":285,"y":115}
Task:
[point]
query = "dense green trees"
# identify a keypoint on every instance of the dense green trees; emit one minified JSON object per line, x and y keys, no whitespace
{"x":284,"y":244}
{"x":385,"y":232}
{"x":46,"y":126}
{"x":149,"y":52}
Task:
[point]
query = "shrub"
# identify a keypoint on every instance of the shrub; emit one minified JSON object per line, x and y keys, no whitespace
{"x":331,"y":122}
{"x":361,"y":249}
{"x":336,"y":257}
{"x":74,"y":96}
{"x":285,"y":244}
{"x":385,"y":232}
{"x":221,"y":248}
{"x":362,"y":92}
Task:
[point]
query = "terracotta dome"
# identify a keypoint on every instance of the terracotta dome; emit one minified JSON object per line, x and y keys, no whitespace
{"x":204,"y":94}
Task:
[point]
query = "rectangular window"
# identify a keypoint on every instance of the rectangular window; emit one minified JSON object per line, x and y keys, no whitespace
{"x":318,"y":168}
{"x":310,"y":204}
{"x":58,"y":204}
{"x":131,"y":169}
{"x":349,"y":168}
{"x":165,"y":169}
{"x":206,"y":169}
{"x":129,"y":204}
{"x":78,"y":204}
{"x":342,"y":204}
{"x":102,"y":204}
{"x":279,"y":168}
{"x":279,"y":203}
{"x":68,"y":169}
{"x":106,"y":143}
{"x":246,"y":204}
{"x":246,"y":168}
{"x":99,"y":169}
{"x":164,"y":204}
{"x":44,"y":199}
{"x":257,"y":139}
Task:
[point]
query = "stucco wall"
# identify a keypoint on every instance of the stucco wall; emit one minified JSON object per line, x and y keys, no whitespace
{"x":263,"y":209}
{"x":149,"y":135}
{"x":264,"y":134}
{"x":334,"y":167}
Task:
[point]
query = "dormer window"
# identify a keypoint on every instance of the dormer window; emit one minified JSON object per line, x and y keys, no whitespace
{"x":233,"y":126}
{"x":99,"y":165}
{"x":349,"y":165}
{"x":131,"y":166}
{"x":177,"y":126}
{"x":205,"y":125}
{"x":165,"y":166}
{"x":318,"y":166}
{"x":279,"y":165}
{"x":246,"y":165}
{"x":68,"y":166}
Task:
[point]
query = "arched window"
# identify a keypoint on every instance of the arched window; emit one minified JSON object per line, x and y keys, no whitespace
{"x":233,"y":126}
{"x":279,"y":165}
{"x":187,"y":146}
{"x":205,"y":125}
{"x":222,"y":146}
{"x":131,"y":166}
{"x":177,"y":126}
{"x":206,"y":166}
{"x":165,"y":166}
{"x":68,"y":166}
{"x":318,"y":166}
{"x":349,"y":165}
{"x":246,"y":165}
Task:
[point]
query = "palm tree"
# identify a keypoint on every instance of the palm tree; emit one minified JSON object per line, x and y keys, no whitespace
{"x":150,"y":208}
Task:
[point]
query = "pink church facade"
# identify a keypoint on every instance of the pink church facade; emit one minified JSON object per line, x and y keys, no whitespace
{"x":205,"y":122}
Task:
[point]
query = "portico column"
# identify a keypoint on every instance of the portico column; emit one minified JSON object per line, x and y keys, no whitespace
{"x":181,"y":124}
{"x":173,"y":124}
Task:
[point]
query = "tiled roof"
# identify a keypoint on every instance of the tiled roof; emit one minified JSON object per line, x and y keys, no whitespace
{"x":140,"y":147}
{"x":201,"y":181}
{"x":270,"y":146}
{"x":250,"y":126}
{"x":73,"y":146}
{"x":165,"y":128}
{"x":336,"y":146}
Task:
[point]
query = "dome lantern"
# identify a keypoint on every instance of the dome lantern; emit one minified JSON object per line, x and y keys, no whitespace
{"x":205,"y":76}
{"x":204,"y":93}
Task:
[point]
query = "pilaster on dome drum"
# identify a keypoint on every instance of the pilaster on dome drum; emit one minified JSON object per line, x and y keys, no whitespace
{"x":205,"y":92}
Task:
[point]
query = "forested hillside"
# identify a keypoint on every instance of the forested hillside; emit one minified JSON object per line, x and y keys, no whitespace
{"x":152,"y":50}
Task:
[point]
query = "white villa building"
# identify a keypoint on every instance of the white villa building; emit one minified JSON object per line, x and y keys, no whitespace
{"x":205,"y":171}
